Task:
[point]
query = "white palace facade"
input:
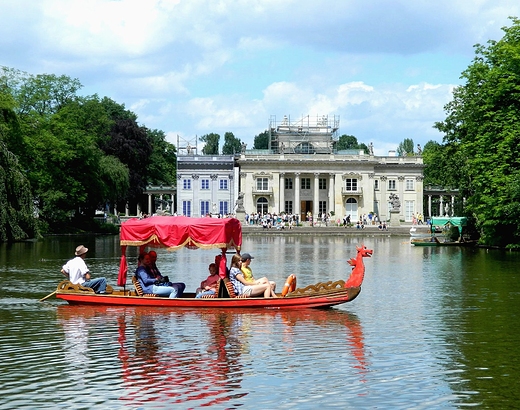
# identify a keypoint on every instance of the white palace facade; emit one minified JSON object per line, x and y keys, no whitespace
{"x":302,"y":173}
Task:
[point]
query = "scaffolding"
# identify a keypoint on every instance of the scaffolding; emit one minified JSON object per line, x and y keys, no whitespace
{"x":308,"y":135}
{"x":187,"y":146}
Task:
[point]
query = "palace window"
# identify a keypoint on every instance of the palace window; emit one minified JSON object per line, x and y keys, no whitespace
{"x":204,"y":208}
{"x":409,"y":210}
{"x":262,"y":184}
{"x":391,"y":184}
{"x":305,"y":183}
{"x":351,"y":184}
{"x":204,"y":184}
{"x":262,"y":205}
{"x":223,"y":184}
{"x":289,"y":207}
{"x":322,"y":207}
{"x":376,"y":184}
{"x":186,"y":184}
{"x":322,"y":183}
{"x":409,"y":185}
{"x":288,"y":183}
{"x":223,"y":207}
{"x":186,"y":208}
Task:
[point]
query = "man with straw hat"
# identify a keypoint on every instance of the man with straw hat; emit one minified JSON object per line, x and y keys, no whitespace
{"x":77,"y":272}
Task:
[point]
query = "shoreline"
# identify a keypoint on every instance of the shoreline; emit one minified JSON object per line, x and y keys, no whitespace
{"x":402,"y":230}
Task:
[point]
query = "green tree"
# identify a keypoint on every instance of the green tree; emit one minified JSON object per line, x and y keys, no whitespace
{"x":16,"y":206}
{"x":261,"y":140}
{"x":349,"y":142}
{"x":482,"y":136}
{"x":211,"y":144}
{"x":405,"y":148}
{"x":163,"y":160}
{"x":232,"y":145}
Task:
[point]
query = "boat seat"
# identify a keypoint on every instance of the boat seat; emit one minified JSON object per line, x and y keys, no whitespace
{"x":227,"y":291}
{"x":139,"y":289}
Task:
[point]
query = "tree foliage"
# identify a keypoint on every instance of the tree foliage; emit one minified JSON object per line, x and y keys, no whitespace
{"x":349,"y":142}
{"x":261,"y":140}
{"x":232,"y":145}
{"x":405,"y":148}
{"x":70,"y":154}
{"x":482,"y":138}
{"x":211,"y":144}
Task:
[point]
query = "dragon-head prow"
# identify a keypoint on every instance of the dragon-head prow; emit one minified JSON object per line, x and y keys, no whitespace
{"x":364,"y":251}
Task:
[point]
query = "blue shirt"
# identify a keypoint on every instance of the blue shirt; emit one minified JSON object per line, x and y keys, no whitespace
{"x":237,"y":285}
{"x":145,"y":279}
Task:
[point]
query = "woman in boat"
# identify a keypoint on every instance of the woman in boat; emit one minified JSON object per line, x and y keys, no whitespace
{"x":150,"y":284}
{"x":243,"y":287}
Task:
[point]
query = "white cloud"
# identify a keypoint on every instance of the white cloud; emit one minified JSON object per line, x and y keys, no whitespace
{"x":199,"y":66}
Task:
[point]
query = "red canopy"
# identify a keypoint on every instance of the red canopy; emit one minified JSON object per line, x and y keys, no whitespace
{"x":175,"y":232}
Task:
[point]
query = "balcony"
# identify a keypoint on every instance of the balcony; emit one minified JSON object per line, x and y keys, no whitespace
{"x":263,"y":192}
{"x":352,"y":192}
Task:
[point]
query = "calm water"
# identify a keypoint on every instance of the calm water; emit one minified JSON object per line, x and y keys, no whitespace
{"x":432,"y":328}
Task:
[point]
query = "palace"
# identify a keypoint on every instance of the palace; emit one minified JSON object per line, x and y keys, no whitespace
{"x":303,"y":173}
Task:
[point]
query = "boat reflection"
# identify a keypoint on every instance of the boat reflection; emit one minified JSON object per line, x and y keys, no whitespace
{"x":199,"y":358}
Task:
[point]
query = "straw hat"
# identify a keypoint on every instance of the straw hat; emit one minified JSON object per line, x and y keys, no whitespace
{"x":80,"y":250}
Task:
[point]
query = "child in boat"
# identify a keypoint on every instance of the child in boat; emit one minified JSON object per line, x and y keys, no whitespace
{"x":248,"y":272}
{"x":209,"y":285}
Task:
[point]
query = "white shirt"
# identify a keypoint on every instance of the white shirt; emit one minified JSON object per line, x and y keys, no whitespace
{"x":76,"y":269}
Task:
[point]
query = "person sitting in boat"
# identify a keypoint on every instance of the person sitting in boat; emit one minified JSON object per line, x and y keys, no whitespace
{"x":248,"y":272}
{"x":209,"y":285}
{"x":77,"y":272}
{"x":154,"y":271}
{"x":150,"y":284}
{"x":241,"y":286}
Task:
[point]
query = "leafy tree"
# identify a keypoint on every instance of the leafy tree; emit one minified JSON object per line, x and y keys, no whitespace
{"x":482,"y":136}
{"x":349,"y":142}
{"x":405,"y":148}
{"x":16,"y":207}
{"x":261,"y":140}
{"x":232,"y":144}
{"x":130,"y":143}
{"x":211,"y":142}
{"x":163,"y":160}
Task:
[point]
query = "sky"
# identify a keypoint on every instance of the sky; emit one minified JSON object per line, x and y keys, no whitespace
{"x":385,"y":68}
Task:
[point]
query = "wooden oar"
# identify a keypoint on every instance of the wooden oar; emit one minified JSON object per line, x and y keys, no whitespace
{"x":48,"y":296}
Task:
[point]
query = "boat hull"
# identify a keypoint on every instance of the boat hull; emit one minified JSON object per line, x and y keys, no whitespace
{"x":118,"y":298}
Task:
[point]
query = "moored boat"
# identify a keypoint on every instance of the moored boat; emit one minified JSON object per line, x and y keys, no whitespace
{"x":178,"y":232}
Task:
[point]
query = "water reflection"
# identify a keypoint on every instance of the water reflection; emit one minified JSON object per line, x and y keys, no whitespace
{"x":432,"y":328}
{"x":160,"y":361}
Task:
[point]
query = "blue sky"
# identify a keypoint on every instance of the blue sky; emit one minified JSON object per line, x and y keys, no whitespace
{"x":191,"y":67}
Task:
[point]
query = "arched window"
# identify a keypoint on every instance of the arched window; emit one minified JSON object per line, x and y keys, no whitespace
{"x":351,"y":208}
{"x":262,"y":205}
{"x":304,"y":148}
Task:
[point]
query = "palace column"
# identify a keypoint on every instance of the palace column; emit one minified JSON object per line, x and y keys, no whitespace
{"x":316,"y":197}
{"x":281,"y":206}
{"x":150,"y":204}
{"x":441,"y":207}
{"x":297,"y":204}
{"x":452,"y":205}
{"x":429,"y":206}
{"x":331,"y":196}
{"x":402,"y":212}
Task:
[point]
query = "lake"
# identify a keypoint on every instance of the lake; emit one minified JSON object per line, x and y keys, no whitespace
{"x":433,"y":328}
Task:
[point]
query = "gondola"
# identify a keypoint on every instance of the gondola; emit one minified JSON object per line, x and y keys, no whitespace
{"x":177,"y":232}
